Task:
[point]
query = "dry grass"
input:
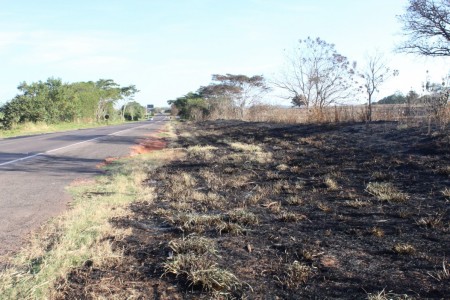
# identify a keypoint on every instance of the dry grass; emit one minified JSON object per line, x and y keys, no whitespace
{"x":242,"y":217}
{"x":201,"y":152}
{"x":446,"y":192}
{"x":443,"y":274}
{"x":331,"y":183}
{"x":202,"y":271}
{"x":357,"y":203}
{"x":386,"y":296}
{"x":79,"y":234}
{"x":295,"y":274}
{"x":432,"y":221}
{"x":294,"y":200}
{"x":193,"y":244}
{"x":286,"y":216}
{"x":376,"y":231}
{"x":403,"y":248}
{"x":386,"y":191}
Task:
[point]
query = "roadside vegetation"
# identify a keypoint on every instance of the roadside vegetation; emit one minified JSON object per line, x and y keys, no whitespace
{"x":54,"y":105}
{"x":80,"y":236}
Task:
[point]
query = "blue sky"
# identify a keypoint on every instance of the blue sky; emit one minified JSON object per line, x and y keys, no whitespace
{"x":169,"y":48}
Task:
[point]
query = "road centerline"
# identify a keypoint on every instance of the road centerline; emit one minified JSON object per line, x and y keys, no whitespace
{"x":68,"y":146}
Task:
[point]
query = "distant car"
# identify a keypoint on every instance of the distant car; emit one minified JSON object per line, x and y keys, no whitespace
{"x":150,"y":119}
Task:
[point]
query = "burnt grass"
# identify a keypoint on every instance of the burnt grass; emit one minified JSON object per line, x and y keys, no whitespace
{"x":313,"y":208}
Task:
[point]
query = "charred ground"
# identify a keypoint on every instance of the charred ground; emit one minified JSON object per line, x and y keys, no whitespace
{"x":270,"y":211}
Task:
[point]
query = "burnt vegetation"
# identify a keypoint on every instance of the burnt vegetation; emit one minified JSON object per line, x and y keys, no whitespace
{"x":273,"y":211}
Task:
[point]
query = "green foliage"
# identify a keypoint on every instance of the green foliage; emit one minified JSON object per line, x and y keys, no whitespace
{"x":397,"y":98}
{"x":190,"y":105}
{"x":53,"y":102}
{"x":133,"y":111}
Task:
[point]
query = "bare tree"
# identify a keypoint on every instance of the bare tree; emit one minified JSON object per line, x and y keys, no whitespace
{"x":316,"y":74}
{"x":374,"y":74}
{"x":427,"y":25}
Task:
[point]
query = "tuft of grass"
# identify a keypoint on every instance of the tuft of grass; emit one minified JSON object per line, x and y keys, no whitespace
{"x":201,"y":152}
{"x":282,"y":167}
{"x":331,"y":183}
{"x":202,"y":271}
{"x":446,"y":192}
{"x":441,"y":275}
{"x":386,"y":191}
{"x":193,"y":244}
{"x":193,"y":222}
{"x":295,"y":274}
{"x":357,"y":203}
{"x":248,"y":148}
{"x":287,"y":216}
{"x":432,"y":221}
{"x":382,"y":295}
{"x":323,"y":207}
{"x":378,"y":232}
{"x":243,"y":217}
{"x":403,"y":248}
{"x":294,"y":200}
{"x":381,"y":176}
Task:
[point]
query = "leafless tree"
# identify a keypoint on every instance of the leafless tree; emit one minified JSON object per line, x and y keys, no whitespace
{"x":426,"y":23}
{"x":316,"y":75}
{"x":374,"y":74}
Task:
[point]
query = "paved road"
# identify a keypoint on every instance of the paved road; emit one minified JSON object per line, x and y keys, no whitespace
{"x":35,"y":170}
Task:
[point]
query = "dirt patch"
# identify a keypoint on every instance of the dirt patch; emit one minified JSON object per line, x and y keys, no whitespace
{"x":286,"y":212}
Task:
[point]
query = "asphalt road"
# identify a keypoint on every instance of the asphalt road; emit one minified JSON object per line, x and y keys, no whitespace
{"x":35,"y":170}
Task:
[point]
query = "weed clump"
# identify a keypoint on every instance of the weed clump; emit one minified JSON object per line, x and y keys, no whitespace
{"x":386,"y":191}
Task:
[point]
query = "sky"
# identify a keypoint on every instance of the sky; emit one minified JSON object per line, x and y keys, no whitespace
{"x":169,"y":48}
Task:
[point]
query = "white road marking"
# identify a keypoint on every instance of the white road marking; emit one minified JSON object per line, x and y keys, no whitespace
{"x":71,"y":145}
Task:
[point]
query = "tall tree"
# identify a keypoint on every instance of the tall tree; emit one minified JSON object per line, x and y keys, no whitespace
{"x":109,"y":93}
{"x":374,"y":74}
{"x":426,"y":23}
{"x":316,"y":74}
{"x":242,"y":90}
{"x":127,"y":94}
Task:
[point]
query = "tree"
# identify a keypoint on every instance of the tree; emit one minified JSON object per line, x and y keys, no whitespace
{"x":109,"y":93}
{"x":316,"y":74}
{"x":127,"y":94}
{"x":133,"y":111}
{"x":426,"y":23}
{"x":241,"y":90}
{"x":374,"y":74}
{"x":190,"y":106}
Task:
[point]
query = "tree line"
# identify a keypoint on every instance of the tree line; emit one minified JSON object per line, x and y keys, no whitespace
{"x":316,"y":75}
{"x":53,"y":101}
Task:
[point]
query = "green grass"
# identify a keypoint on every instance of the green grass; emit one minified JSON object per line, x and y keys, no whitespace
{"x":39,"y":128}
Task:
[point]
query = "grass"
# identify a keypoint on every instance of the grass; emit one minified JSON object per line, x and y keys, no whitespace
{"x":403,"y":248}
{"x":78,"y":235}
{"x":386,"y":191}
{"x":41,"y":127}
{"x":295,"y":274}
{"x":201,"y":271}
